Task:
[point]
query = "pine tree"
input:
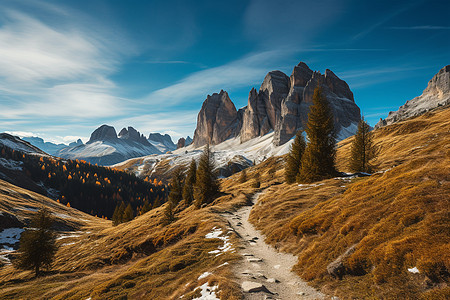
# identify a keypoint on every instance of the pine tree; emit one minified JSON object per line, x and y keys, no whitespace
{"x":293,"y":159}
{"x":37,"y":245}
{"x":188,"y":189}
{"x":176,"y":186}
{"x":169,"y":214}
{"x":363,"y":150}
{"x":256,"y":180}
{"x":206,"y":186}
{"x":318,"y":160}
{"x":243,"y":177}
{"x":128,"y":214}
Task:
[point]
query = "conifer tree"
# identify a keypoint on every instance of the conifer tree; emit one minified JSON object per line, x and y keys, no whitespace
{"x":243,"y":177}
{"x":206,"y":186}
{"x":128,"y":214}
{"x":176,"y":186}
{"x":169,"y":214}
{"x":363,"y":150}
{"x":256,"y":180}
{"x":37,"y":245}
{"x":318,"y":160}
{"x":188,"y":189}
{"x":293,"y":159}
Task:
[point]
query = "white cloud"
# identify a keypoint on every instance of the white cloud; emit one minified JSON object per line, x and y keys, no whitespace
{"x":57,"y":67}
{"x":243,"y":72}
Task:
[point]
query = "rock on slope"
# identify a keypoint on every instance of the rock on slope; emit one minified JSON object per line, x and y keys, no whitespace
{"x":436,"y":94}
{"x":106,"y":148}
{"x":281,"y":105}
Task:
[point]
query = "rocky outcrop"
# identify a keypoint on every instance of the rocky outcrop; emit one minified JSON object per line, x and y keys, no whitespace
{"x":181,"y":143}
{"x":103,"y":133}
{"x":77,"y":143}
{"x":216,"y":121}
{"x":436,"y":94}
{"x":281,"y":105}
{"x":158,"y":137}
{"x":133,"y":135}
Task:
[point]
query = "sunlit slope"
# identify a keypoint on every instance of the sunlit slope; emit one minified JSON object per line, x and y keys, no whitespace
{"x":392,"y":221}
{"x":143,"y":258}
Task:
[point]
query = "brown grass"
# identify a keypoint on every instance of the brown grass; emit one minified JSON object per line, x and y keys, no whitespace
{"x":397,"y":219}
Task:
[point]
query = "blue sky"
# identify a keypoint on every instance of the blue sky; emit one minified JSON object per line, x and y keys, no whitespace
{"x":67,"y":67}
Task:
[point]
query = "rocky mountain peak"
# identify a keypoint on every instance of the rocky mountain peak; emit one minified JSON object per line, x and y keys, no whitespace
{"x":132,"y":135}
{"x":158,"y":137}
{"x":103,"y":133}
{"x":437,"y":93}
{"x":281,"y":105}
{"x":216,"y":121}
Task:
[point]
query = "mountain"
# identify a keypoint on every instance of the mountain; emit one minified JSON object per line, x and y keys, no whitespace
{"x":48,"y":147}
{"x":184,"y":142}
{"x":15,"y":143}
{"x":437,"y":93}
{"x":163,"y":143}
{"x":105,"y":147}
{"x":281,"y":105}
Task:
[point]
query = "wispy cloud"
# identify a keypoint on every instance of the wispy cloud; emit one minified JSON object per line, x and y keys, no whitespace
{"x":56,"y":69}
{"x":242,"y":72}
{"x":422,"y":27}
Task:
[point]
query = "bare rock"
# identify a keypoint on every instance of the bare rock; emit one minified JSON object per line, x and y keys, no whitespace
{"x":181,"y":143}
{"x":103,"y":133}
{"x":436,"y":94}
{"x":337,"y":267}
{"x":217,"y":120}
{"x":254,"y":287}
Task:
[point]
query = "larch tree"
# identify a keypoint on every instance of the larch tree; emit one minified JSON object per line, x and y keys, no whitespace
{"x":37,"y":244}
{"x":188,"y":189}
{"x":175,"y":194}
{"x":318,"y":160}
{"x":128,"y":214}
{"x":243,"y":177}
{"x":293,"y":159}
{"x":363,"y":150}
{"x":206,"y":186}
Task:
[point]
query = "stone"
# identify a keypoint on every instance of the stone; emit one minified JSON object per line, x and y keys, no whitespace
{"x":103,"y":133}
{"x":254,"y":259}
{"x":437,"y":93}
{"x":273,"y":280}
{"x":217,"y":120}
{"x":337,"y":267}
{"x":181,"y":143}
{"x":254,"y":287}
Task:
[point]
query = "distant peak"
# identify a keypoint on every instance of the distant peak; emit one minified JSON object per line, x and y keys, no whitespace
{"x":103,"y":133}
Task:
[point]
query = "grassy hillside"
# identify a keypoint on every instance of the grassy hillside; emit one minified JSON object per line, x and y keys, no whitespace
{"x":139,"y":259}
{"x":395,"y":220}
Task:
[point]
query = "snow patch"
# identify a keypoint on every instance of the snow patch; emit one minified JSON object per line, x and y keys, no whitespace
{"x":414,"y":270}
{"x":207,"y":292}
{"x":204,"y":275}
{"x":10,"y":235}
{"x":11,"y":164}
{"x":216,"y":234}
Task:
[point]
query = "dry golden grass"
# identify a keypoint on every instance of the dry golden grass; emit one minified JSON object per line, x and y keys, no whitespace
{"x":141,"y":259}
{"x":397,"y":220}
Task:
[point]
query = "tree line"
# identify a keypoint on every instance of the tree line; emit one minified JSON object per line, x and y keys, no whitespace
{"x":90,"y":188}
{"x":315,"y":160}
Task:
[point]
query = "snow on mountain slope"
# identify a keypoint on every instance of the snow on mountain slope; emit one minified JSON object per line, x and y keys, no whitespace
{"x":108,"y":152}
{"x":17,"y":144}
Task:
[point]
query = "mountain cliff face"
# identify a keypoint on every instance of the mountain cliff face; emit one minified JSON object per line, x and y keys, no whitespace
{"x":163,"y":143}
{"x":436,"y":94}
{"x":217,"y":120}
{"x":281,"y":105}
{"x":105,"y":147}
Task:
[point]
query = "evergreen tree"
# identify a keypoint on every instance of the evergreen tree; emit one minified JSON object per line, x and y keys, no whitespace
{"x":243,"y":177}
{"x":128,"y":214}
{"x":206,"y":186}
{"x":169,"y":214}
{"x":363,"y":150}
{"x":176,"y":186}
{"x":318,"y":160}
{"x":37,"y":245}
{"x":188,"y":189}
{"x":293,"y":159}
{"x":256,"y":180}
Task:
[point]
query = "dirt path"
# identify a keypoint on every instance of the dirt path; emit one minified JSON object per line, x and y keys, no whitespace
{"x":265,"y":273}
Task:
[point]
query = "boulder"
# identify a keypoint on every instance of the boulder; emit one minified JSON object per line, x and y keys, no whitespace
{"x":254,"y":287}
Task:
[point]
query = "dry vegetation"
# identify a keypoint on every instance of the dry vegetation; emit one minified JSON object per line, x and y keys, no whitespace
{"x":398,"y":219}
